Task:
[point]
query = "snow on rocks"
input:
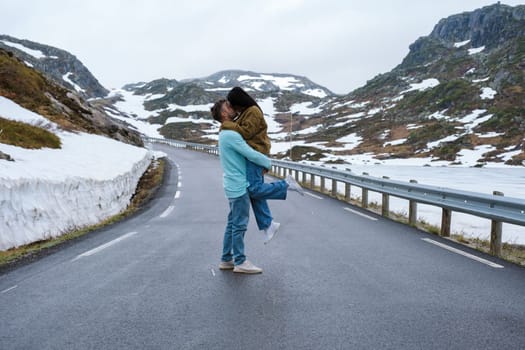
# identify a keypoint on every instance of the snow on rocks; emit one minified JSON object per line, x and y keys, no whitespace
{"x":476,"y":50}
{"x":487,"y":93}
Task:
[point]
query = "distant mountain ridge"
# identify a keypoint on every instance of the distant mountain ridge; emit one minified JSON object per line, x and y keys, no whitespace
{"x":251,"y":81}
{"x":64,"y":68}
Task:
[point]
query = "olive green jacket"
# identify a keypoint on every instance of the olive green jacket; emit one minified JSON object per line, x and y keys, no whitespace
{"x":253,"y":128}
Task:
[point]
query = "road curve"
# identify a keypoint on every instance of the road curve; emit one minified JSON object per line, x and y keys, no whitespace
{"x":335,"y":277}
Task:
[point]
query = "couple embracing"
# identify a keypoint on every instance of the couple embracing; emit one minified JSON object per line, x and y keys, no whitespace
{"x":244,"y":147}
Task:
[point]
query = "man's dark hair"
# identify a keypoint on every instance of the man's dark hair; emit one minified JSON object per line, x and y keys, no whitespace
{"x":216,"y":110}
{"x":240,"y":100}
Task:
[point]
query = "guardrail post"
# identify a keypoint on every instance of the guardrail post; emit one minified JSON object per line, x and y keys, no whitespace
{"x":385,"y":206}
{"x":334,"y":188}
{"x":322,"y":184}
{"x":312,"y":181}
{"x":495,"y":233}
{"x":347,"y":192}
{"x":364,"y":195}
{"x":446,"y":220}
{"x":303,"y":177}
{"x":412,"y":210}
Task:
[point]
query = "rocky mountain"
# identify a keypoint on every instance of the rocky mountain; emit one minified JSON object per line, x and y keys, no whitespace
{"x":64,"y":68}
{"x":459,"y":90}
{"x":182,"y":107}
{"x":31,"y":89}
{"x":458,"y":97}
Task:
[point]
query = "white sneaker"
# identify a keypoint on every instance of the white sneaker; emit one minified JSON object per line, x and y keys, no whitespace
{"x":293,"y":185}
{"x":226,"y":265}
{"x":247,"y":267}
{"x":270,"y":232}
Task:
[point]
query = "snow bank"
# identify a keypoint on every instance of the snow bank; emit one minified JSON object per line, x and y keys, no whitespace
{"x":45,"y":193}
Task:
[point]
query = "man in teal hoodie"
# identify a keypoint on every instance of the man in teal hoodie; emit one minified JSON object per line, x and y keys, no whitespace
{"x":233,"y":152}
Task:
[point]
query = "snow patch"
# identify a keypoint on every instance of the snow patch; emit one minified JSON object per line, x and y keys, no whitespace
{"x":476,"y":50}
{"x":131,"y":104}
{"x":424,"y":85}
{"x":191,"y":120}
{"x":487,"y":93}
{"x":191,"y":108}
{"x":150,"y":130}
{"x":489,"y":135}
{"x":269,"y":111}
{"x":461,"y":43}
{"x":304,"y":108}
{"x":315,"y":93}
{"x":35,"y":53}
{"x":351,"y":141}
{"x":284,"y":83}
{"x":67,"y":79}
{"x":480,"y":80}
{"x":12,"y":111}
{"x":470,"y":157}
{"x":395,"y":142}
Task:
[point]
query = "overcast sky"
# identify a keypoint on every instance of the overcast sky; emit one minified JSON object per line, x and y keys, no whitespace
{"x":338,"y":44}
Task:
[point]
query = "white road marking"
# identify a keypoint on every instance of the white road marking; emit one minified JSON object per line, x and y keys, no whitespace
{"x":177,"y":195}
{"x":8,"y":289}
{"x":179,"y":185}
{"x":360,"y":214}
{"x":460,"y":252}
{"x":213,"y":272}
{"x":312,"y":195}
{"x":104,"y":246}
{"x":167,"y":211}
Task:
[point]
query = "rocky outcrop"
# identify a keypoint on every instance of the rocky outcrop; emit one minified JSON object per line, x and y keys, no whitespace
{"x":4,"y":156}
{"x":59,"y":65}
{"x":489,"y":26}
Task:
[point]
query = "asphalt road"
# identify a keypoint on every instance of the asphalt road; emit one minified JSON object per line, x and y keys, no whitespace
{"x":333,"y":278}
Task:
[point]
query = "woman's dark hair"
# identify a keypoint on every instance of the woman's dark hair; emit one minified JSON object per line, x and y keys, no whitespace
{"x":240,"y":100}
{"x":216,"y":110}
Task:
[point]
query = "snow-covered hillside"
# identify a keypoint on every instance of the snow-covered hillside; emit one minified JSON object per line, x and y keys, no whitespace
{"x":46,"y":192}
{"x":282,"y":139}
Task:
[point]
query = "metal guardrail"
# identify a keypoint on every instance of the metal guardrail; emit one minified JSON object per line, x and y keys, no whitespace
{"x":495,"y":207}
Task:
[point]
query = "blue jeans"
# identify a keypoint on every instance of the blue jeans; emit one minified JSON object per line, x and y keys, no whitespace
{"x":233,"y":244}
{"x":260,"y":191}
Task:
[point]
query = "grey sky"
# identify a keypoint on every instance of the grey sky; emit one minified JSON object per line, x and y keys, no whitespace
{"x":338,"y":44}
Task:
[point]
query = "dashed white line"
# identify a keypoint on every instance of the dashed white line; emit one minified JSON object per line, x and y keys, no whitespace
{"x":8,"y":289}
{"x":360,"y":214}
{"x":312,"y":195}
{"x":179,"y":185}
{"x":465,"y":254}
{"x":213,"y":272}
{"x":167,"y":211}
{"x":104,"y":246}
{"x":177,"y":195}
